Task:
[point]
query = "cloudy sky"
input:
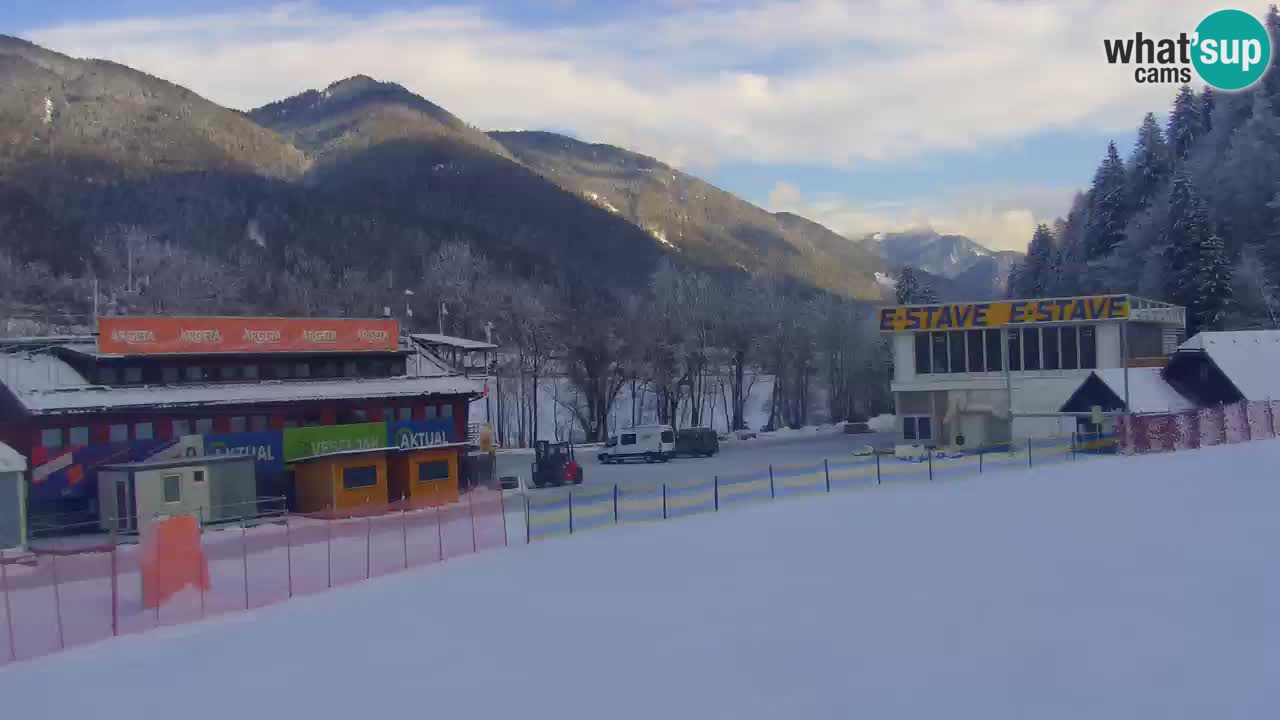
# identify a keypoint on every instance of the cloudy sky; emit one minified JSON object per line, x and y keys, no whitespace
{"x":973,"y":116}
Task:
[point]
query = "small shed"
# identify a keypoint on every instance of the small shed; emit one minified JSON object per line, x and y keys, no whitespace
{"x":13,"y":498}
{"x":215,"y":488}
{"x":425,"y":477}
{"x":341,"y":481}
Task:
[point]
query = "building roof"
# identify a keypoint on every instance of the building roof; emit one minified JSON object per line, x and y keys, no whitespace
{"x":44,"y":384}
{"x":179,"y":462}
{"x":1249,"y":358}
{"x":454,"y":342}
{"x":1148,"y":391}
{"x":11,"y":460}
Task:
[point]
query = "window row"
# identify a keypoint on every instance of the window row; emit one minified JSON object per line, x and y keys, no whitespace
{"x":79,"y":436}
{"x":249,"y":372}
{"x":1069,"y":347}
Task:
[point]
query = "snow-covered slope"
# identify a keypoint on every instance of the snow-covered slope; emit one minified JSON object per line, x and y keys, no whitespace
{"x":1119,"y":588}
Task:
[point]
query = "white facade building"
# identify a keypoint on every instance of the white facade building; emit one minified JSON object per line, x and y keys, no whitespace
{"x":971,"y":374}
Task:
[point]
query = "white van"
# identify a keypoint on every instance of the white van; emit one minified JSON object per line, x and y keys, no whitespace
{"x":650,"y":443}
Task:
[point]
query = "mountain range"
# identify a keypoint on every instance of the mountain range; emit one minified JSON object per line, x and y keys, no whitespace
{"x":367,"y":174}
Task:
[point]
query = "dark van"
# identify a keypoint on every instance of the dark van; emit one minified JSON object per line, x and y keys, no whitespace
{"x":697,"y":441}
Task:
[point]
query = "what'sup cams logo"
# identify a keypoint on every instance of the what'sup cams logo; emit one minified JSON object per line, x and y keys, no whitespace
{"x":1230,"y":50}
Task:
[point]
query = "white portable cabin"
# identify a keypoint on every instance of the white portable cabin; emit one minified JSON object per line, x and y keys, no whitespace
{"x":13,"y":498}
{"x":215,"y":488}
{"x":651,"y":443}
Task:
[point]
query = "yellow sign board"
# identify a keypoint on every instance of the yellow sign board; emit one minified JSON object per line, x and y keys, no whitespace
{"x":962,"y":316}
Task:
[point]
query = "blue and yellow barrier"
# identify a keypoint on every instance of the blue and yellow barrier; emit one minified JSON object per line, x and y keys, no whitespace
{"x":799,"y":479}
{"x":639,"y":504}
{"x":691,"y":498}
{"x":738,"y":489}
{"x":591,"y":509}
{"x":547,"y":515}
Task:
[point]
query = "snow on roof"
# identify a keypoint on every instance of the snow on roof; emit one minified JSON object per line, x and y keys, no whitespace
{"x":1148,"y":391}
{"x":45,"y":384}
{"x":1249,"y":358}
{"x":11,"y":460}
{"x":450,"y":341}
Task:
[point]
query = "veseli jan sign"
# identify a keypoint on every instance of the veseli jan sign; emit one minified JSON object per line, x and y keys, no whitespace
{"x":962,"y":316}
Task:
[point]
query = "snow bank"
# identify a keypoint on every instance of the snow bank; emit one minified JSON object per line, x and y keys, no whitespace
{"x":883,"y":423}
{"x":1124,"y":588}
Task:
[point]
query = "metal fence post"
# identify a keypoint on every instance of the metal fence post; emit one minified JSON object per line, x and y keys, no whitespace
{"x":502,"y":510}
{"x":930,"y":465}
{"x":772,"y":492}
{"x":471,"y":508}
{"x":368,"y":547}
{"x":439,"y":532}
{"x":1073,"y":446}
{"x":826,"y":470}
{"x":528,"y":526}
{"x":570,"y":512}
{"x":288,"y":554}
{"x":404,"y":531}
{"x":57,"y":600}
{"x":877,"y":467}
{"x":979,"y":459}
{"x":115,"y":590}
{"x":664,"y":501}
{"x":615,"y":503}
{"x":717,"y":492}
{"x":1029,"y":462}
{"x":244,"y":551}
{"x":8,"y":610}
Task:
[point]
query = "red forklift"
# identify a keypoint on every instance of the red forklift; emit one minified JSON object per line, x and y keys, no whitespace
{"x":554,"y":465}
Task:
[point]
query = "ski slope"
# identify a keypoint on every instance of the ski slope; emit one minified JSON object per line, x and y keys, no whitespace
{"x":1119,"y":588}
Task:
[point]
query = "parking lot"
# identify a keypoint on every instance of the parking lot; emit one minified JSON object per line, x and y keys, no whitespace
{"x":735,"y":456}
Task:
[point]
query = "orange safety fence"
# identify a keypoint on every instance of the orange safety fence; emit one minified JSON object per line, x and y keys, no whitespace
{"x":105,"y":586}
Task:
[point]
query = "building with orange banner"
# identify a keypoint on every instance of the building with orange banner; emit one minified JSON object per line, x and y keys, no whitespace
{"x":977,"y":373}
{"x":147,"y":388}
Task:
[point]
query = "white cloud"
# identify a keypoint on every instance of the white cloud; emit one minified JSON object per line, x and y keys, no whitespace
{"x":1000,"y":217}
{"x":815,"y":82}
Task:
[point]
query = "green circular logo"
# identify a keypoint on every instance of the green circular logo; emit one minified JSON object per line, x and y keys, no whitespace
{"x":1232,"y":49}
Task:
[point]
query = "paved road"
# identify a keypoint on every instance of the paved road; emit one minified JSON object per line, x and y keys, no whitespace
{"x":735,"y":457}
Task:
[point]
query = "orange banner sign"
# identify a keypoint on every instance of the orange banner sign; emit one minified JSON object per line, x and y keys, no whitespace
{"x":186,"y":335}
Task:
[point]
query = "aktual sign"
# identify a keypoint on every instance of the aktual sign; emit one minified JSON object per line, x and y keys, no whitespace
{"x":962,"y":316}
{"x":421,"y":433}
{"x":328,"y":439}
{"x":177,"y":335}
{"x":266,"y":448}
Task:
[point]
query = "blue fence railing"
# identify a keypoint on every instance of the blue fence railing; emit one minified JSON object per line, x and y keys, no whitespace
{"x":555,"y":513}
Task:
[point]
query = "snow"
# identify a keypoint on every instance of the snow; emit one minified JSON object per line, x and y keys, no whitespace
{"x":1247,"y":357}
{"x":44,"y":383}
{"x":885,"y":280}
{"x":602,"y":202}
{"x":48,"y":110}
{"x":883,"y":423}
{"x":1148,"y":392}
{"x":1143,"y":587}
{"x":660,"y":236}
{"x":11,"y":460}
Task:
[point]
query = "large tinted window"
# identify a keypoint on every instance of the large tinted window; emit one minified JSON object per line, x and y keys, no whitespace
{"x":995,"y":360}
{"x":668,"y":436}
{"x":434,"y":470}
{"x":922,"y":354}
{"x":938,"y":341}
{"x":1031,"y":349}
{"x":1015,"y":349}
{"x":1070,"y":348}
{"x":1050,"y":352}
{"x":1088,"y":347}
{"x":629,"y":439}
{"x":975,"y":340}
{"x":956,"y":341}
{"x":359,"y":477}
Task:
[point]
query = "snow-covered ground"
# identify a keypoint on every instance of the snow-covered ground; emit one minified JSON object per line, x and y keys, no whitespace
{"x":1142,"y":587}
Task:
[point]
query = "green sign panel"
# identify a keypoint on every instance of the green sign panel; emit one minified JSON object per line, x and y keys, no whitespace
{"x":327,"y":439}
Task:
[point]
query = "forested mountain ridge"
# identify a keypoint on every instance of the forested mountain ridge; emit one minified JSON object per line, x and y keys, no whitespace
{"x":1192,"y":216}
{"x":697,"y":219}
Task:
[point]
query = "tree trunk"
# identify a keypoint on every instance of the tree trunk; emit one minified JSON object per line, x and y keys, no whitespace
{"x":739,"y":398}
